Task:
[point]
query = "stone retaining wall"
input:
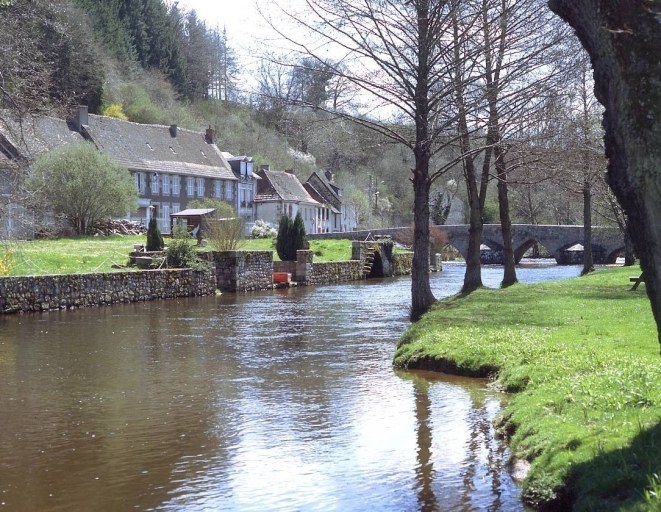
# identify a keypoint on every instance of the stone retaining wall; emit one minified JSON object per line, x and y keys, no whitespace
{"x":334,"y":272}
{"x":235,"y":271}
{"x":43,"y":293}
{"x":242,"y":271}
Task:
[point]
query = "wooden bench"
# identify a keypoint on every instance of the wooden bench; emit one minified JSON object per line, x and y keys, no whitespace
{"x":636,"y":280}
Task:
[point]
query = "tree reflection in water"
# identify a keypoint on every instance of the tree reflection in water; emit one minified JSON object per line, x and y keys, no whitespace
{"x":425,"y":464}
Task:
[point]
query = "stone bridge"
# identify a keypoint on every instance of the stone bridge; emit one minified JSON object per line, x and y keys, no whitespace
{"x":607,"y":242}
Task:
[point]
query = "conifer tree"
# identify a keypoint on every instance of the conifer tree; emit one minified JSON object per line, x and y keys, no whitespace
{"x":154,"y":237}
{"x":282,"y":240}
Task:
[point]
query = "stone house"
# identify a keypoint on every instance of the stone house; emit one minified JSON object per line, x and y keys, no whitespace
{"x":322,"y":187}
{"x":281,"y":193}
{"x":170,"y":165}
{"x":22,"y":141}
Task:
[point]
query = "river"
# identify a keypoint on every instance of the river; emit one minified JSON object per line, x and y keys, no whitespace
{"x":278,"y":401}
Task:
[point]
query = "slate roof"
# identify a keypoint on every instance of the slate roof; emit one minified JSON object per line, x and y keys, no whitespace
{"x":153,"y":148}
{"x":331,"y":187}
{"x":33,"y":136}
{"x":281,"y":186}
{"x":318,"y":197}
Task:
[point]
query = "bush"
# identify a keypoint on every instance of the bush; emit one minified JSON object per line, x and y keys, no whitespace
{"x":82,"y":184}
{"x":114,"y":110}
{"x":154,"y":237}
{"x":263,"y":229}
{"x":180,"y":252}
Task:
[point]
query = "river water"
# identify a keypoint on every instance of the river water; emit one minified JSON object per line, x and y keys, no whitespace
{"x":278,"y":401}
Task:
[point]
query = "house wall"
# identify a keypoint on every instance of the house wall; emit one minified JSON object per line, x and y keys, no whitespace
{"x":272,"y":211}
{"x":269,"y":212}
{"x":245,"y":206}
{"x":167,"y":200}
{"x":43,"y":293}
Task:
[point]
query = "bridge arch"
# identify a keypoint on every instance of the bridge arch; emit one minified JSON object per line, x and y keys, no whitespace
{"x":524,"y":247}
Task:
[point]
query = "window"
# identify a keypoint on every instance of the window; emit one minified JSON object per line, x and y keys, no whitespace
{"x":154,"y":183}
{"x":176,"y":207}
{"x":139,"y":182}
{"x":166,"y":185}
{"x":165,"y":209}
{"x":228,"y":191}
{"x":176,"y":185}
{"x":190,"y":186}
{"x":217,"y":188}
{"x":200,"y":187}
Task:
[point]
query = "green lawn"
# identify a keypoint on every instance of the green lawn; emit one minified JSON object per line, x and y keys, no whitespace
{"x":71,"y":255}
{"x":324,"y":250}
{"x":582,"y":360}
{"x":99,"y":254}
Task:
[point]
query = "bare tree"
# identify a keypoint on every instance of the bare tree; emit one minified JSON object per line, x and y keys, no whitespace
{"x":623,"y":41}
{"x":518,"y":41}
{"x":401,"y":58}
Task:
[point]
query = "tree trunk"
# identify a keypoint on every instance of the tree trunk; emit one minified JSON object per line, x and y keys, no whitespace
{"x":629,"y":253}
{"x":421,"y":295}
{"x":588,"y":260}
{"x":509,"y":263}
{"x":473,"y":275}
{"x":623,"y":41}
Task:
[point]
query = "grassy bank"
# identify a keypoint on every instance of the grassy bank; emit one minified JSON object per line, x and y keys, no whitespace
{"x":582,"y":359}
{"x":99,"y":254}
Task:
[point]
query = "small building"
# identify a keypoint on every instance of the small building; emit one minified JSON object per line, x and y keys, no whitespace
{"x":193,"y":219}
{"x":281,"y":193}
{"x":322,"y":187}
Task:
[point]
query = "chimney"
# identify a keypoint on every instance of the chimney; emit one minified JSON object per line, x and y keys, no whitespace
{"x":289,"y":171}
{"x":265,"y":167}
{"x":173,"y":130}
{"x":209,"y":135}
{"x":81,"y":117}
{"x":329,"y":176}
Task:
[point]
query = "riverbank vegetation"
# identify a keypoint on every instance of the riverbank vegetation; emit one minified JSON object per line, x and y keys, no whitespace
{"x":99,"y":254}
{"x":582,"y":359}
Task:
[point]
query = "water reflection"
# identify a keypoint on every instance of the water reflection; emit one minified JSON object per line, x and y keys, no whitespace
{"x":265,"y":401}
{"x":425,"y":467}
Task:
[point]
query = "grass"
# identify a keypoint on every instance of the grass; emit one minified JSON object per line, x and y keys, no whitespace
{"x":99,"y":254}
{"x":582,"y":359}
{"x":324,"y":250}
{"x":70,"y":255}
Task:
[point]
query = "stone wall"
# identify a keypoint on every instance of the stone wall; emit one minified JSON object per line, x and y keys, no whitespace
{"x":335,"y":272}
{"x":43,"y":293}
{"x":242,"y":271}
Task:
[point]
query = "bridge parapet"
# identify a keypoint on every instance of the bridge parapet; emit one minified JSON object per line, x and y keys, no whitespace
{"x":607,"y":242}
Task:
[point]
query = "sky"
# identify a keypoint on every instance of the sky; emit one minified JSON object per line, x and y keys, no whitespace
{"x":247,"y":30}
